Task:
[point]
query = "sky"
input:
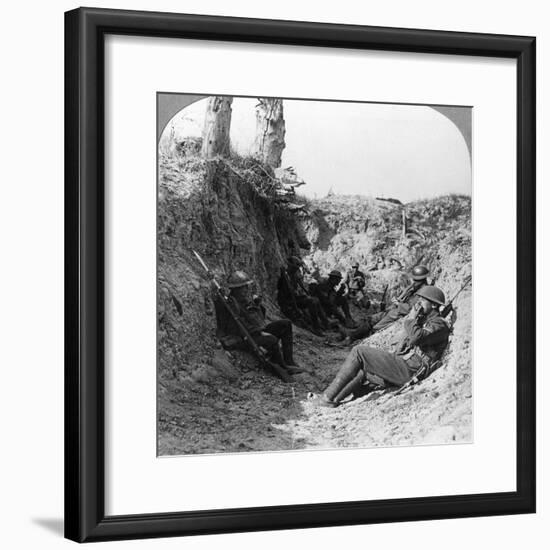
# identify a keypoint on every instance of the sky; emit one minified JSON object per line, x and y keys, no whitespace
{"x":406,"y":152}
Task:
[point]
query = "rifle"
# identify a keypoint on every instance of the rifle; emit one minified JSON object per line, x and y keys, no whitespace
{"x":286,"y":279}
{"x":421,"y":373}
{"x":449,"y":306}
{"x":259,"y":352}
{"x":383,"y":304}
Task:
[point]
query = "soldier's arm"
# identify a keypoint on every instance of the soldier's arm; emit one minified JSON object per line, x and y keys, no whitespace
{"x":434,"y":330}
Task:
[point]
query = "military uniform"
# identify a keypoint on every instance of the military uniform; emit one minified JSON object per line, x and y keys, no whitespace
{"x":356,"y":280}
{"x":291,"y":294}
{"x":331,"y":300}
{"x":383,"y":319}
{"x":424,"y":342}
{"x":266,"y":335}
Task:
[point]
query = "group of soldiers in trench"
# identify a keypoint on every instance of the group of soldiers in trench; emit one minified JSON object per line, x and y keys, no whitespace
{"x":324,"y":305}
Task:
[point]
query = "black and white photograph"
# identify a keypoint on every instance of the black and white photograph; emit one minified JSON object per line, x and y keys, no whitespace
{"x":274,"y":275}
{"x":314,"y":274}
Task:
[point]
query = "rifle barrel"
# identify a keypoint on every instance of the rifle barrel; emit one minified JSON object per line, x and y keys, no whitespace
{"x":201,"y":261}
{"x":245,"y":334}
{"x":462,"y":288}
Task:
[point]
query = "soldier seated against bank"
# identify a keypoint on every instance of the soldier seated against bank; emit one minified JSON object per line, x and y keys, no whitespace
{"x":356,"y":283}
{"x":400,"y":307}
{"x":331,"y":294}
{"x":275,"y":337}
{"x":426,"y":335}
{"x":295,"y":301}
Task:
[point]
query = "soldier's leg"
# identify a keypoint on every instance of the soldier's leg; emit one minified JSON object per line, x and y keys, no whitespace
{"x":362,"y":331}
{"x":391,"y":315}
{"x":345,"y":307}
{"x":343,"y":303}
{"x":351,"y":369}
{"x":376,"y":317}
{"x":271,"y":344}
{"x":309,"y":305}
{"x":362,"y":360}
{"x":335,"y":313}
{"x":282,"y":330}
{"x":320,"y":312}
{"x":350,"y":387}
{"x":388,"y":366}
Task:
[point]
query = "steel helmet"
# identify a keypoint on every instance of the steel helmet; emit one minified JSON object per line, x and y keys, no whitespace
{"x":335,"y":273}
{"x":238,"y":279}
{"x":355,"y":263}
{"x":433,"y":294}
{"x":420,"y":272}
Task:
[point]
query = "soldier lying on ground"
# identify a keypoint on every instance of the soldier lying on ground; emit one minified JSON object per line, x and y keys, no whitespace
{"x":295,"y":301}
{"x":400,"y":307}
{"x":425,"y":339}
{"x":251,"y":313}
{"x":331,"y":295}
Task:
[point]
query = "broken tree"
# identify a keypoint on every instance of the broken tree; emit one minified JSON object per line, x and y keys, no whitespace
{"x":270,"y":131}
{"x":217,"y":123}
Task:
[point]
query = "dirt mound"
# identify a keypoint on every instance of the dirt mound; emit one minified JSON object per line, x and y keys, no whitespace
{"x":437,"y":233}
{"x":234,"y":224}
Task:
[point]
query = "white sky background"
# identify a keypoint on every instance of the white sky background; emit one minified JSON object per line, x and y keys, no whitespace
{"x":401,"y":151}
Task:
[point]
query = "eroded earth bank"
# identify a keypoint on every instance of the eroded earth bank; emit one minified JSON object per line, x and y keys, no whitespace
{"x":232,"y":212}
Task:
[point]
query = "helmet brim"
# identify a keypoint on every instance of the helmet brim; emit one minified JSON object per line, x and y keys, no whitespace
{"x":239,"y":285}
{"x":437,"y":302}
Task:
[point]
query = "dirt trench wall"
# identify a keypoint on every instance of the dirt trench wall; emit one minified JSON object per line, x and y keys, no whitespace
{"x":346,"y":228}
{"x":207,"y":206}
{"x":439,"y":409}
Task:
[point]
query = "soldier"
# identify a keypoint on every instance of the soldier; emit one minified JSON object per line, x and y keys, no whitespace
{"x":252,"y":314}
{"x":356,"y":282}
{"x":426,"y":335}
{"x":400,"y":307}
{"x":331,"y":294}
{"x":294,"y":298}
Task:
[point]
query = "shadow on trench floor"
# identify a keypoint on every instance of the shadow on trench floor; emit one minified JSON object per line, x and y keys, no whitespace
{"x":247,"y":413}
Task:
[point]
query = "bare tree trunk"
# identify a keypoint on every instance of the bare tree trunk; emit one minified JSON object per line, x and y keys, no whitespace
{"x":217,"y":123}
{"x":404,"y":217}
{"x":270,"y":131}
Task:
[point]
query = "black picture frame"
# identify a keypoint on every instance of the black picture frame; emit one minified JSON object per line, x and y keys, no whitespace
{"x":85,"y":29}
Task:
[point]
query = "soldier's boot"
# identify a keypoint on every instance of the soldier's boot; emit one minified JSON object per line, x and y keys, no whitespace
{"x":287,"y":361}
{"x":291,"y":365}
{"x":287,"y":345}
{"x":283,"y":372}
{"x":340,"y":317}
{"x":351,"y":387}
{"x":349,"y":322}
{"x":323,"y":401}
{"x":347,"y":318}
{"x":315,"y":326}
{"x":295,"y":370}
